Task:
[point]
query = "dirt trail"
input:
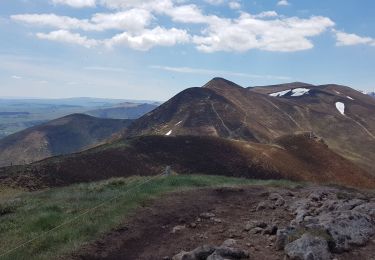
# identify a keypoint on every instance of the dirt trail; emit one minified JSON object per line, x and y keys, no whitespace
{"x":148,"y":234}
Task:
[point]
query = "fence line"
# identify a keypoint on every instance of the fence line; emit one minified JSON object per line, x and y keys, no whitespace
{"x":43,"y":234}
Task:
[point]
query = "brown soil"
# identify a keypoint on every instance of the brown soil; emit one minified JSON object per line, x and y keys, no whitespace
{"x":148,"y":233}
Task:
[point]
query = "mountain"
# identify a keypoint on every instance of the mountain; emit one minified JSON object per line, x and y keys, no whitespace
{"x":343,"y":117}
{"x":19,"y":114}
{"x":125,"y":110}
{"x":61,"y":136}
{"x":299,"y":157}
{"x":371,"y":94}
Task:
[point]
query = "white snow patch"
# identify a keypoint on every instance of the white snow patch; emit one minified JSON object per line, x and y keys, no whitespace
{"x":280,"y":93}
{"x":350,"y":98}
{"x":340,"y":107}
{"x":170,"y":131}
{"x":300,"y":92}
{"x":295,"y":92}
{"x":178,"y":123}
{"x":337,"y":92}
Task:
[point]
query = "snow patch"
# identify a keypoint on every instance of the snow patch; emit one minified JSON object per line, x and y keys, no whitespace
{"x":280,"y":93}
{"x":340,"y":107}
{"x":350,"y":98}
{"x":170,"y":131}
{"x":297,"y":92}
{"x":337,"y":92}
{"x":178,"y":123}
{"x":300,"y":92}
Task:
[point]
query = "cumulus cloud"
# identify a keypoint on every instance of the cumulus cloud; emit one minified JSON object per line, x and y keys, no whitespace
{"x":248,"y":32}
{"x":133,"y":19}
{"x":76,"y":3}
{"x":138,"y":26}
{"x":349,"y":39}
{"x":150,"y":38}
{"x":68,"y":37}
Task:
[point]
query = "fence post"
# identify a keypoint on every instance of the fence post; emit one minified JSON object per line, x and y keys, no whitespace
{"x":167,"y":171}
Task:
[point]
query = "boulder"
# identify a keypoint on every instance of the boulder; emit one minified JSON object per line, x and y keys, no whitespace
{"x":308,"y":247}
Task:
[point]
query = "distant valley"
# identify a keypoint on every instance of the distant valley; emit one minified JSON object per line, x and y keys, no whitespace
{"x":19,"y":114}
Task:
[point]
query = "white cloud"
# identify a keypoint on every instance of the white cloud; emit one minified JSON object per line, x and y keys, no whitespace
{"x":249,"y":32}
{"x":68,"y":37}
{"x":349,"y":39}
{"x":189,"y":70}
{"x":138,"y":24}
{"x":132,"y":20}
{"x":150,"y":38}
{"x":76,"y":3}
{"x":283,"y":3}
{"x":214,"y":2}
{"x":16,"y":77}
{"x":234,"y":5}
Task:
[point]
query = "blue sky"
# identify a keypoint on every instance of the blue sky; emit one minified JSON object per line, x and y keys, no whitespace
{"x":153,"y":49}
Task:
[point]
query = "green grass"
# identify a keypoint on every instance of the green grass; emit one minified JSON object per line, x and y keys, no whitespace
{"x":29,"y":215}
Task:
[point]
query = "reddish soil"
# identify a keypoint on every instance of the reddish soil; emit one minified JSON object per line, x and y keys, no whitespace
{"x":148,"y":233}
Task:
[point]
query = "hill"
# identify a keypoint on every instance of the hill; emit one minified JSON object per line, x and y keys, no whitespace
{"x":299,"y":158}
{"x":343,"y":117}
{"x":61,"y":136}
{"x":125,"y":110}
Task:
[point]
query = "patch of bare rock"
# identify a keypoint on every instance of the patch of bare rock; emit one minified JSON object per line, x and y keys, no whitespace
{"x":327,"y":223}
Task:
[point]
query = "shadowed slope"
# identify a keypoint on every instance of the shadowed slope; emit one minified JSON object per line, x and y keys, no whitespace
{"x":294,"y":158}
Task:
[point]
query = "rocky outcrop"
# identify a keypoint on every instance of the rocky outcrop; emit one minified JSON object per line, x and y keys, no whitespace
{"x":323,"y":222}
{"x":208,"y":252}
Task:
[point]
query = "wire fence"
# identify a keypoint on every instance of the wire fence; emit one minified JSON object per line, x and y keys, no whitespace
{"x":130,"y":192}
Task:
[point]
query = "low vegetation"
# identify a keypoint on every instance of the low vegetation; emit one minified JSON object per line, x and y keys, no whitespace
{"x":60,"y":220}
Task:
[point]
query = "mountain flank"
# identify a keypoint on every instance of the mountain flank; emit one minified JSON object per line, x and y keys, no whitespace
{"x":65,"y":135}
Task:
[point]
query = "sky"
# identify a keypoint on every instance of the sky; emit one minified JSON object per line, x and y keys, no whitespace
{"x":153,"y":49}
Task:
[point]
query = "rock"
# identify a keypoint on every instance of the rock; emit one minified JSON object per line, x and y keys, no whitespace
{"x":282,"y":237}
{"x":231,"y":253}
{"x":280,"y":202}
{"x":207,"y":215}
{"x":366,"y":208}
{"x":270,"y":230}
{"x":193,"y":225}
{"x":217,"y":220}
{"x":257,"y":230}
{"x":229,"y":243}
{"x":347,"y":228}
{"x":261,"y":224}
{"x":201,"y":252}
{"x":275,"y":196}
{"x":262,"y":206}
{"x":178,"y":228}
{"x":249,"y":226}
{"x":308,"y":247}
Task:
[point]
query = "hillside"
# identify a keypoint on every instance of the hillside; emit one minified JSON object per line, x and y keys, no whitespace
{"x":61,"y":136}
{"x":343,"y":117}
{"x":298,"y":158}
{"x":125,"y":110}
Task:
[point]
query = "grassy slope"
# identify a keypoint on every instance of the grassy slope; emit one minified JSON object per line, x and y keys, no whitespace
{"x":27,"y":215}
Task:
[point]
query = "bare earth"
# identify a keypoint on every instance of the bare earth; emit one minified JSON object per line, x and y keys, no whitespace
{"x":179,"y":221}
